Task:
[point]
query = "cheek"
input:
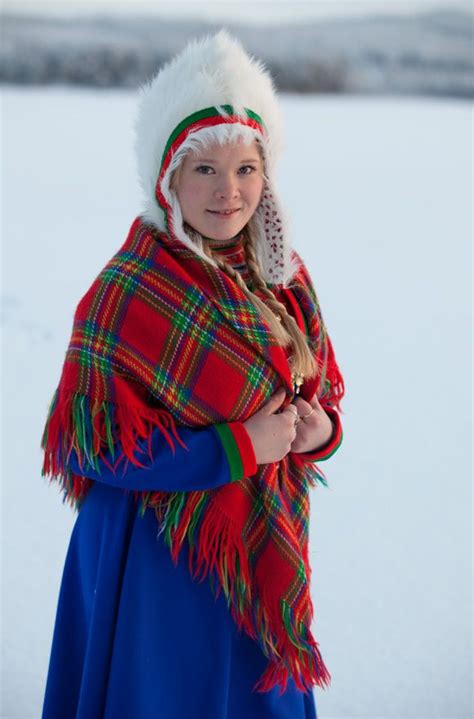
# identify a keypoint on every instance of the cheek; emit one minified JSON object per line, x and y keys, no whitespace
{"x":185,"y":194}
{"x":193,"y":192}
{"x":255,"y":191}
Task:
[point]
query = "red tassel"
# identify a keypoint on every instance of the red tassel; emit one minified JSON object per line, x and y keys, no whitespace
{"x":220,"y":549}
{"x":277,"y":674}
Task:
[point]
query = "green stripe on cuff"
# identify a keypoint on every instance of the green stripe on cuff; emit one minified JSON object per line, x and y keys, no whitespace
{"x":332,"y":445}
{"x":329,"y":454}
{"x":232,"y":451}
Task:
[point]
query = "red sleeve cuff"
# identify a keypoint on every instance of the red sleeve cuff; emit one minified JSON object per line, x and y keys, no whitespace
{"x":331,"y":446}
{"x":247,"y":452}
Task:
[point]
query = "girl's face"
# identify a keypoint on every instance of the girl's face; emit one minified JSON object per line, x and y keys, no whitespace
{"x":216,"y":180}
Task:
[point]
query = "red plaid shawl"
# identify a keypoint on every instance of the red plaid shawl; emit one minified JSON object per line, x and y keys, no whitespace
{"x":161,"y":339}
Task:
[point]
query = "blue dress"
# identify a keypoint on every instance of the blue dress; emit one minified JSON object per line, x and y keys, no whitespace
{"x":136,"y":637}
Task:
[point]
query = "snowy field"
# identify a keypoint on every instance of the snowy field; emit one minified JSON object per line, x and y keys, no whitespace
{"x":379,"y":192}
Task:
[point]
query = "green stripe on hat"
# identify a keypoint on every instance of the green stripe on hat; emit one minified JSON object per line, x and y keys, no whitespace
{"x":202,"y":115}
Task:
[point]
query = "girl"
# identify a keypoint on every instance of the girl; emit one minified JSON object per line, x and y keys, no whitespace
{"x":198,"y":390}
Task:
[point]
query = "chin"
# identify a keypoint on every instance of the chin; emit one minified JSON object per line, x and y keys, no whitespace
{"x":223,"y":234}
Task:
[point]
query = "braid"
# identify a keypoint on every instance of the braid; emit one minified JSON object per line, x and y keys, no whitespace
{"x":302,"y":360}
{"x":274,"y":312}
{"x":280,"y":332}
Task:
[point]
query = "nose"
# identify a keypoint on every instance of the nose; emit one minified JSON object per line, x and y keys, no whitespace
{"x":227,"y":187}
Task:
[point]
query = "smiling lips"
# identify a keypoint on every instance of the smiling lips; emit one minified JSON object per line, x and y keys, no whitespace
{"x":224,"y":213}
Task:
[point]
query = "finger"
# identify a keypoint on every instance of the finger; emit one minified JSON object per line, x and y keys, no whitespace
{"x":292,"y":408}
{"x":314,"y":402}
{"x":302,"y":405}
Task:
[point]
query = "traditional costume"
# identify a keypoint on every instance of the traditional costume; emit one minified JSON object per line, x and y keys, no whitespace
{"x":145,"y":434}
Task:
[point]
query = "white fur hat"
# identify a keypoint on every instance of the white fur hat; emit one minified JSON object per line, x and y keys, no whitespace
{"x":212,"y":90}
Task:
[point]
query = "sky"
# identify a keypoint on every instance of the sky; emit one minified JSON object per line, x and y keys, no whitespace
{"x":256,"y":11}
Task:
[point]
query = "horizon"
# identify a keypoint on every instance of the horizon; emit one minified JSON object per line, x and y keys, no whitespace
{"x":244,"y":11}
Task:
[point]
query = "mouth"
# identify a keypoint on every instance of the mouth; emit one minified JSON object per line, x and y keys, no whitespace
{"x":224,"y":213}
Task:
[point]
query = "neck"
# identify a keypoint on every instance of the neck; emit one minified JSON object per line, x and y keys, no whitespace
{"x":229,"y":241}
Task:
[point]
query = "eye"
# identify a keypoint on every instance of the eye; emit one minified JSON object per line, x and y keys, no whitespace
{"x":203,"y":167}
{"x":249,"y":167}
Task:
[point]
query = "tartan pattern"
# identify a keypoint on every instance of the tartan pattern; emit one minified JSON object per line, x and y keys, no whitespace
{"x":162,"y":338}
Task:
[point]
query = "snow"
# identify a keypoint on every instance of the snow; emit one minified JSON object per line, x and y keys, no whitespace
{"x":379,"y":195}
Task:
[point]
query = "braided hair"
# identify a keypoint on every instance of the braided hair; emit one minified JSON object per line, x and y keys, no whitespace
{"x":272,"y":311}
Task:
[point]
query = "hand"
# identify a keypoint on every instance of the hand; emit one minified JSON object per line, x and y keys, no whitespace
{"x":314,"y":431}
{"x":271,"y":431}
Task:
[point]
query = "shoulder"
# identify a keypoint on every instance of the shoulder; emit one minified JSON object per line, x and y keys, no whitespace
{"x":131,"y":261}
{"x":303,"y":290}
{"x":301,"y":277}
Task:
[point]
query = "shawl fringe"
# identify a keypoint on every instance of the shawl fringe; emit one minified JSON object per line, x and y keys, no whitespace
{"x":97,"y":430}
{"x":111,"y":432}
{"x":220,"y":555}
